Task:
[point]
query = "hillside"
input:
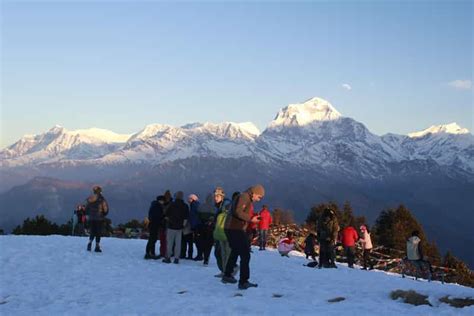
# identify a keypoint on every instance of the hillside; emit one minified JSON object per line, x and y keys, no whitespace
{"x":55,"y":275}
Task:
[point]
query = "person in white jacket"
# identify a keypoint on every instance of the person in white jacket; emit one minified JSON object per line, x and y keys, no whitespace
{"x":415,"y":254}
{"x":287,"y":244}
{"x":366,"y":243}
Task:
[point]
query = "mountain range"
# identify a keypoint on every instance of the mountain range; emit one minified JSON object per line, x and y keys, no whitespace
{"x":308,"y":154}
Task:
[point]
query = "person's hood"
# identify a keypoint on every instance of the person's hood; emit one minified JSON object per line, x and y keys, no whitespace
{"x":208,"y":206}
{"x":93,"y":198}
{"x":414,"y":239}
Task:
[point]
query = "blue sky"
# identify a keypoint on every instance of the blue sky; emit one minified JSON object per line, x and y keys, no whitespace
{"x":123,"y":65}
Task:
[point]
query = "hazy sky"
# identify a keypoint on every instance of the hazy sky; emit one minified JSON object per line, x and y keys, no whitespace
{"x":120,"y":65}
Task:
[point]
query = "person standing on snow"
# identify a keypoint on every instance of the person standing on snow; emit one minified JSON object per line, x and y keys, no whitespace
{"x":328,"y":228}
{"x":155,"y":216}
{"x":349,"y":238}
{"x":97,"y":209}
{"x":206,"y":213}
{"x":176,"y":216}
{"x":222,"y":248}
{"x":366,"y":243}
{"x":263,"y":226}
{"x":235,"y":229}
{"x":195,"y":222}
{"x":168,"y":198}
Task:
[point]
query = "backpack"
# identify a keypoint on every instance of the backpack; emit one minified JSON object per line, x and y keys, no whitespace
{"x":312,"y":264}
{"x":219,"y":233}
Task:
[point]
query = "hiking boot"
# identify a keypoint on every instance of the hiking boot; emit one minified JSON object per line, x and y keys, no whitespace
{"x":176,"y":261}
{"x":229,"y":279}
{"x":89,"y":246}
{"x":167,"y":260}
{"x":97,"y":248}
{"x":246,"y":285}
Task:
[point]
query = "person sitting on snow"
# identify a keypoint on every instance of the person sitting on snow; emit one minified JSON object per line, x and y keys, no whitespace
{"x":287,"y":244}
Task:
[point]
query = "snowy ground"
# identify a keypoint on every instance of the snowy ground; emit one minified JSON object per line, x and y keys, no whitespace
{"x":55,"y":275}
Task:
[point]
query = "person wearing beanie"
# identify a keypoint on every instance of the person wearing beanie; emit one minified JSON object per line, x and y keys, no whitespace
{"x":190,"y":239}
{"x":97,"y":209}
{"x":235,"y":227}
{"x":221,"y":247}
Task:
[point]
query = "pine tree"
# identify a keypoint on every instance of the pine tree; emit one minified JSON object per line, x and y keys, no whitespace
{"x":287,"y":217}
{"x":276,"y":216}
{"x":462,"y":273}
{"x":394,"y":227}
{"x":40,"y":225}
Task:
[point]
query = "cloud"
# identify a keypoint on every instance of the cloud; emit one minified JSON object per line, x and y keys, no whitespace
{"x":461,"y":84}
{"x":346,"y":86}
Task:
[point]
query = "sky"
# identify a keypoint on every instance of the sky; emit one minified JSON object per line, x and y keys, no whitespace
{"x":396,"y":66}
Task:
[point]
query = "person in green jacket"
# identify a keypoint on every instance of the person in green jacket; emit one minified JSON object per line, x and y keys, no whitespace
{"x":222,"y":248}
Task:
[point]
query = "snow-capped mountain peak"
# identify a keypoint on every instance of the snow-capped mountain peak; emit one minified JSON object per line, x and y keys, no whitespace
{"x":301,"y":114}
{"x":452,"y":128}
{"x":103,"y":135}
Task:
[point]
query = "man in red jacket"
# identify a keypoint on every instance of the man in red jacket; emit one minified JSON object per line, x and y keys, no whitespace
{"x":349,"y":237}
{"x":263,"y":225}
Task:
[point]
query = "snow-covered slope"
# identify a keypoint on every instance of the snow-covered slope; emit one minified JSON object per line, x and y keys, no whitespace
{"x":55,"y":275}
{"x":60,"y":144}
{"x":160,"y":143}
{"x":448,"y":145}
{"x":452,"y":128}
{"x":306,"y":113}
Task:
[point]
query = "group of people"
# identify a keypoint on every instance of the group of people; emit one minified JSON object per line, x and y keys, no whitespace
{"x":226,"y":224}
{"x":329,"y":234}
{"x":230,"y":225}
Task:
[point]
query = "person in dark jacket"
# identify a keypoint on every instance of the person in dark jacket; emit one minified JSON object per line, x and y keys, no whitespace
{"x":97,"y":209}
{"x":235,"y":230}
{"x":176,"y":215}
{"x":207,"y":216}
{"x":155,"y":216}
{"x":349,"y":238}
{"x":80,"y":213}
{"x":168,"y":198}
{"x":195,"y":222}
{"x":328,"y":229}
{"x":309,"y":244}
